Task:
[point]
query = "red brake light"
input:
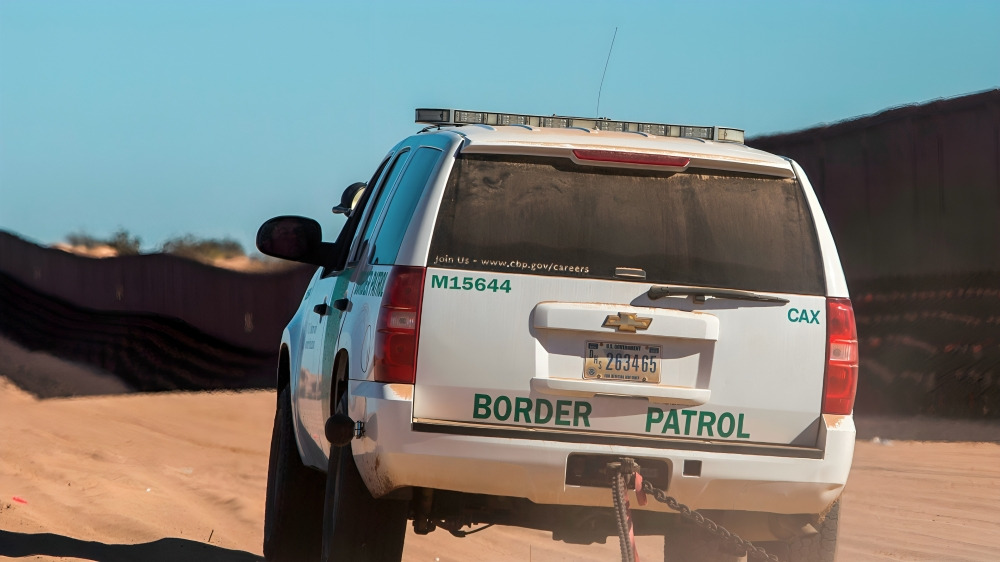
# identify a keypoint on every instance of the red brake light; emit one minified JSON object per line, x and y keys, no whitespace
{"x":841,"y":380}
{"x":399,"y":326}
{"x":632,"y":158}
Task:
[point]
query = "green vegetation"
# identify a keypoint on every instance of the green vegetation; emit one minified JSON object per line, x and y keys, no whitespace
{"x":193,"y":247}
{"x":121,"y":241}
{"x":187,"y":245}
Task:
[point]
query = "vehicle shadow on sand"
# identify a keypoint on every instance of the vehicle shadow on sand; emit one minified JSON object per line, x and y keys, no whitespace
{"x":17,"y":545}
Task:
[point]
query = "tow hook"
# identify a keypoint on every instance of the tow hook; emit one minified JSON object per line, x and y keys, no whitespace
{"x":341,"y":429}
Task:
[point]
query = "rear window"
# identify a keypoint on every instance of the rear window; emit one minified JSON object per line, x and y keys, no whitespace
{"x":549,"y":216}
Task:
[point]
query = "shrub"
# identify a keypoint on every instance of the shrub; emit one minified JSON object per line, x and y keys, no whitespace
{"x":190,"y":246}
{"x":121,"y":241}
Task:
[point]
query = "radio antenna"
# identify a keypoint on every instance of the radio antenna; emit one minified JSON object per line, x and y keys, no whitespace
{"x":598,"y":112}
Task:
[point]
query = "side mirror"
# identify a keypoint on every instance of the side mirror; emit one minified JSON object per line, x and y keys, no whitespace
{"x":292,"y":238}
{"x":349,"y":199}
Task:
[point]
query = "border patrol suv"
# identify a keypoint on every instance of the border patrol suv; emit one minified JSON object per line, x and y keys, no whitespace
{"x":516,"y":300}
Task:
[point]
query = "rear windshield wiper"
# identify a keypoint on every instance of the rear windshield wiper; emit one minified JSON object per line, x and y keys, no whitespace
{"x":699,"y":294}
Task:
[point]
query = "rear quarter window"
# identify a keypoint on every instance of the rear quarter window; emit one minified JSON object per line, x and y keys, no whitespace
{"x":404,"y":201}
{"x":550,"y":216}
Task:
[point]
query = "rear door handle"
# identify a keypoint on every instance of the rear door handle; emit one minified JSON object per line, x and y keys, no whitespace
{"x":322,"y":309}
{"x":341,"y":304}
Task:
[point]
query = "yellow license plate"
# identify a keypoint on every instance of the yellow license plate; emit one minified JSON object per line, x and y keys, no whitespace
{"x":617,"y":361}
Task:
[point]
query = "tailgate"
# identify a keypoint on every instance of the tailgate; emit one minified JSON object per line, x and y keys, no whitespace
{"x":600,"y":356}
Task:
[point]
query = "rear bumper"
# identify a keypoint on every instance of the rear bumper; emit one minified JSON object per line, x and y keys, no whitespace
{"x":395,"y":453}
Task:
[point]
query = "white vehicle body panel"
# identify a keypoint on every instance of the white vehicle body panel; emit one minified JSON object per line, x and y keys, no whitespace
{"x":293,"y":339}
{"x":836,"y":283}
{"x":718,"y":155}
{"x":756,"y":370}
{"x":392,"y":455}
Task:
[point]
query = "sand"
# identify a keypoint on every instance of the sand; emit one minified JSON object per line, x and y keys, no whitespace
{"x":181,"y":476}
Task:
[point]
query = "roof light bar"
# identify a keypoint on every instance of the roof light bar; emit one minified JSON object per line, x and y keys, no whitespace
{"x":446,"y":117}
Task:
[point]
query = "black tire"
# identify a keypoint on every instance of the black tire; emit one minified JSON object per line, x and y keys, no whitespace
{"x":293,"y":508}
{"x":356,"y":526}
{"x":821,"y":547}
{"x":686,"y":543}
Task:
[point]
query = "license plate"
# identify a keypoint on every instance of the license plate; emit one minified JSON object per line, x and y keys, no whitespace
{"x":617,"y":361}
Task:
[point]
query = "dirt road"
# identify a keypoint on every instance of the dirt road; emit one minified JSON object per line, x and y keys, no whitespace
{"x":181,"y":476}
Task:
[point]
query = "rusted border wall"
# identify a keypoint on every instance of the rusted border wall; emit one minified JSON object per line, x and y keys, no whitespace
{"x":147,"y":351}
{"x":247,"y":310}
{"x":913,"y":199}
{"x":910,"y":191}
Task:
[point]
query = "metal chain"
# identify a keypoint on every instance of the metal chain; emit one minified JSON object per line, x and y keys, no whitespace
{"x":753,"y":552}
{"x":628,"y":466}
{"x":619,"y":494}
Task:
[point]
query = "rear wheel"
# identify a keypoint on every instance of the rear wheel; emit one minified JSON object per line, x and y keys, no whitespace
{"x":293,"y":508}
{"x":821,"y":547}
{"x":356,"y":526}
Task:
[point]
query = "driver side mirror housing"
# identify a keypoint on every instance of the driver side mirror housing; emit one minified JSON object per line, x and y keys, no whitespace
{"x":293,"y":238}
{"x":349,"y":199}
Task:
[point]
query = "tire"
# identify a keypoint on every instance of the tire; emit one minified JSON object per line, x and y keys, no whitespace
{"x":356,"y":526}
{"x":821,"y":547}
{"x":293,"y":508}
{"x":687,"y":543}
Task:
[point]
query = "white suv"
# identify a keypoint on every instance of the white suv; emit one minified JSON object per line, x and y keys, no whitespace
{"x":515,"y":301}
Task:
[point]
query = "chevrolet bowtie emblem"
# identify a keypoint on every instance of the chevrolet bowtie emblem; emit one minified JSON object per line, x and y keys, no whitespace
{"x":626,"y":322}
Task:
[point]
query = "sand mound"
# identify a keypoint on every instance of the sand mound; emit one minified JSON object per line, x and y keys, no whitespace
{"x":46,"y":376}
{"x":101,"y":251}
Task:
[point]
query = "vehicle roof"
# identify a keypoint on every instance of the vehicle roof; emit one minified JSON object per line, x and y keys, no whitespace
{"x":703,"y":153}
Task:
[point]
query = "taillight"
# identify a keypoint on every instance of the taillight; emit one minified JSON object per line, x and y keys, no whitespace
{"x":399,"y":326}
{"x":841,"y":380}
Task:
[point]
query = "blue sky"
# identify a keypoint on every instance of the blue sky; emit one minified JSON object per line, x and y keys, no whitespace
{"x":208,"y":117}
